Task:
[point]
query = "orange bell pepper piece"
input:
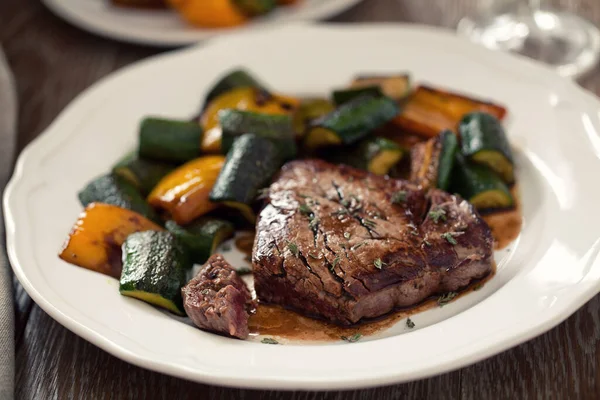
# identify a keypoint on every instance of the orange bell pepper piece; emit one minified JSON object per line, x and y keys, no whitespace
{"x":184,"y":192}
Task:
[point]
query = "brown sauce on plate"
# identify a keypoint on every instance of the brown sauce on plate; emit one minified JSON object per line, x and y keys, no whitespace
{"x":274,"y":320}
{"x":506,"y":224}
{"x":244,"y":243}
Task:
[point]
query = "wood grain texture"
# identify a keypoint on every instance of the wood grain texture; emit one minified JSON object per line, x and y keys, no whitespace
{"x":53,"y":62}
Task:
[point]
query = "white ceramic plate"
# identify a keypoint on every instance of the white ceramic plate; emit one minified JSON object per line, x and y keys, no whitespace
{"x":550,"y":271}
{"x":166,"y":28}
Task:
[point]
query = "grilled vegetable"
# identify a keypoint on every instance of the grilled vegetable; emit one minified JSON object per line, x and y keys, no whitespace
{"x":480,"y":185}
{"x":244,"y":99}
{"x":432,"y":161}
{"x":202,"y":236}
{"x":154,"y":269}
{"x":235,"y":79}
{"x":396,"y":87}
{"x":351,"y":122}
{"x":484,"y":141}
{"x":96,"y":238}
{"x":210,"y":13}
{"x":277,"y":128}
{"x":251,"y":162}
{"x":309,"y":110}
{"x":428,"y":111}
{"x":377,"y":155}
{"x":343,"y":96}
{"x":142,"y":173}
{"x":116,"y":190}
{"x":169,"y":140}
{"x":183,"y":194}
{"x":255,"y":7}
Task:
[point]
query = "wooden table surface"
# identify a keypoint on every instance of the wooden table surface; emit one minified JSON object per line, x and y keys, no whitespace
{"x":53,"y":62}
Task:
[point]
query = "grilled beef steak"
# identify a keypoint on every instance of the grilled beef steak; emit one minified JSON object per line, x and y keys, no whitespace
{"x":343,"y":244}
{"x":217,"y":299}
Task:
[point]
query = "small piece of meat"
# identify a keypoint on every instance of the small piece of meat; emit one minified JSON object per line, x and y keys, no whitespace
{"x":217,"y":299}
{"x":344,"y":244}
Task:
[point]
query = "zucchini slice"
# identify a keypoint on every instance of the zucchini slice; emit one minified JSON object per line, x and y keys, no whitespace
{"x":235,"y":79}
{"x":480,"y":186}
{"x":396,"y":87}
{"x":308,"y":111}
{"x":154,"y":269}
{"x":375,"y":154}
{"x":276,"y":127}
{"x":254,"y":8}
{"x":142,"y":173}
{"x":169,"y":140}
{"x":432,"y":161}
{"x":428,"y":111}
{"x":484,"y":142}
{"x":202,"y":236}
{"x":251,"y":163}
{"x":118,"y":191}
{"x":351,"y":121}
{"x":343,"y":96}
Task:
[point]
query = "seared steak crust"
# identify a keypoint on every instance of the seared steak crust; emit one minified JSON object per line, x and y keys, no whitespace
{"x":217,"y":299}
{"x":343,"y":244}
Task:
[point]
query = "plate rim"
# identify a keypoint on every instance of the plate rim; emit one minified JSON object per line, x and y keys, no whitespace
{"x":63,"y":11}
{"x":98,"y":339}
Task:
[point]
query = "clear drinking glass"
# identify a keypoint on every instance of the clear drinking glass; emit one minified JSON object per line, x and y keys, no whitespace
{"x":561,"y":39}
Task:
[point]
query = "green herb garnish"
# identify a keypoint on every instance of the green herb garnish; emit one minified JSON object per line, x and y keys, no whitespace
{"x":293,"y":248}
{"x":449,"y":238}
{"x":335,"y":262}
{"x":399,"y":197}
{"x":269,"y":340}
{"x":378,"y":263}
{"x":356,"y":246}
{"x":312,"y":224}
{"x":368,"y":223}
{"x":437,"y":214}
{"x":305,"y":210}
{"x":446,"y":298}
{"x":352,"y":339}
{"x":478,"y":286}
{"x":347,"y":235}
{"x":313,"y":256}
{"x":409,"y":323}
{"x":426,"y":242}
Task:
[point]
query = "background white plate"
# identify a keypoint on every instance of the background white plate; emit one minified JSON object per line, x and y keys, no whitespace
{"x":544,"y":277}
{"x":166,"y":28}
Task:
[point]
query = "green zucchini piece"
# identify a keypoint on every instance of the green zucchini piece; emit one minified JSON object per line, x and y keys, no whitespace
{"x":351,"y":121}
{"x":432,"y":161}
{"x":375,"y":154}
{"x":251,"y":163}
{"x":480,"y":185}
{"x":277,"y":128}
{"x":255,"y":7}
{"x":169,"y":140}
{"x":396,"y":87}
{"x":484,"y":142}
{"x":343,"y":96}
{"x":118,"y":191}
{"x":308,"y":111}
{"x":142,"y":173}
{"x":155,"y":265}
{"x":202,"y":236}
{"x":237,"y":78}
